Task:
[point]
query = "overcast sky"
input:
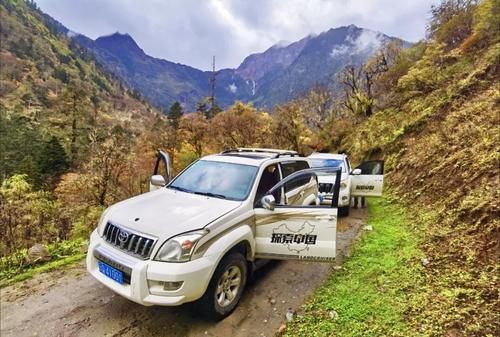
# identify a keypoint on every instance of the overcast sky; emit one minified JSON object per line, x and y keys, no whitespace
{"x":191,"y":31}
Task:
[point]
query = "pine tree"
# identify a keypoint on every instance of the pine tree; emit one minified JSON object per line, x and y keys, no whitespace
{"x":53,"y":159}
{"x":175,"y":114}
{"x":202,"y":106}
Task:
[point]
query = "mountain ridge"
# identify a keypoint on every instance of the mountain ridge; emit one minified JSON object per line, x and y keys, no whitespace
{"x":275,"y":75}
{"x":278,"y":74}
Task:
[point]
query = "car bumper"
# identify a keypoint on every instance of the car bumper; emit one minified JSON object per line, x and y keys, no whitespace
{"x":147,"y":279}
{"x":344,"y":198}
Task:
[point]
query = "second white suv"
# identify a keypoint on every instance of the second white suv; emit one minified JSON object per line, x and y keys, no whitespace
{"x":365,"y":180}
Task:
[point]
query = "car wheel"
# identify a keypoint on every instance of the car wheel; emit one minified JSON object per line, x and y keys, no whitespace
{"x":225,"y":288}
{"x":344,"y":211}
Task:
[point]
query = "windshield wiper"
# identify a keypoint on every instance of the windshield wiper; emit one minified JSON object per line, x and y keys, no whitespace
{"x":214,"y":195}
{"x":180,"y":189}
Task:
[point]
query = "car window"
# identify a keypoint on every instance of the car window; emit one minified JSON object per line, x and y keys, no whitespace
{"x":290,"y":167}
{"x":270,"y":177}
{"x":218,"y":179}
{"x":323,"y":162}
{"x":372,"y":167}
{"x":301,"y":189}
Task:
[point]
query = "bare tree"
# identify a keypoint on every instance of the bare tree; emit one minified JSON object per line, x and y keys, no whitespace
{"x":317,"y":106}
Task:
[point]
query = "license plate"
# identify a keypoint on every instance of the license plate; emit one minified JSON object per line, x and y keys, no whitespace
{"x":111,"y":272}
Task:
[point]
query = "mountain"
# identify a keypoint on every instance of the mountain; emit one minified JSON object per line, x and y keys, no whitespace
{"x":276,"y":75}
{"x":276,"y":58}
{"x":318,"y":60}
{"x":54,"y":95}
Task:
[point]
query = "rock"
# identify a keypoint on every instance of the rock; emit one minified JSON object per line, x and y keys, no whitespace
{"x":38,"y":252}
{"x":289,"y":314}
{"x":368,"y":228}
{"x":333,"y":314}
{"x":265,"y":321}
{"x":425,"y":262}
{"x":272,"y":301}
{"x":337,"y":267}
{"x":282,"y":328}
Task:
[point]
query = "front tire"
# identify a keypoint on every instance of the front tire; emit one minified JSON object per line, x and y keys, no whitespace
{"x":225,"y":288}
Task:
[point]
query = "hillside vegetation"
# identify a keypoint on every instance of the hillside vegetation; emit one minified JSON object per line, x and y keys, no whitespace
{"x":64,"y":124}
{"x":440,"y":142}
{"x":438,"y":130}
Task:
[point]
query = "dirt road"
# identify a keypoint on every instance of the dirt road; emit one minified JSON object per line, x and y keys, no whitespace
{"x":72,"y":303}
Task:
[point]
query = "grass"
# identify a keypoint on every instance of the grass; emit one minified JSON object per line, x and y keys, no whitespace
{"x":16,"y":267}
{"x":49,"y":266}
{"x":373,"y":291}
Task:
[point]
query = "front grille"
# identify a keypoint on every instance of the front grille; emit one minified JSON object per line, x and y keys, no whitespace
{"x":325,"y":188}
{"x":130,"y":242}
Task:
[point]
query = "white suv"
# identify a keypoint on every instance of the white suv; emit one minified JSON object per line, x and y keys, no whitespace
{"x":365,"y":180}
{"x":200,"y":236}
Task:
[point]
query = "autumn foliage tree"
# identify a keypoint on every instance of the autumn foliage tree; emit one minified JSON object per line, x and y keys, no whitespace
{"x":241,"y":125}
{"x":289,"y":129}
{"x":195,"y":129}
{"x":451,"y":21}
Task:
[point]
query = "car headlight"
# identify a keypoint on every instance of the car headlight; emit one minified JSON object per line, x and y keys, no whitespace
{"x":180,"y":248}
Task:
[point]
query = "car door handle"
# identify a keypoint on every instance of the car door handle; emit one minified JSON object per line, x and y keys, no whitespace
{"x":324,"y":217}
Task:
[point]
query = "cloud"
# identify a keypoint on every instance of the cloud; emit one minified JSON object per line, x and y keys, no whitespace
{"x":191,"y":31}
{"x":233,"y":88}
{"x":340,"y":50}
{"x":367,"y":42}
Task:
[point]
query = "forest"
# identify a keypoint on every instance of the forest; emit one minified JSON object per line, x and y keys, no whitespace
{"x":74,"y":140}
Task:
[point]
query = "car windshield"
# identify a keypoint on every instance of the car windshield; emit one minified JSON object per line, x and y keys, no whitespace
{"x":216,"y":179}
{"x":317,"y":163}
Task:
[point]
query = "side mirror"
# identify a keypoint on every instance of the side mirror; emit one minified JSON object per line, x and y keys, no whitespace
{"x":356,"y":172}
{"x":156,"y":182}
{"x":268,"y":202}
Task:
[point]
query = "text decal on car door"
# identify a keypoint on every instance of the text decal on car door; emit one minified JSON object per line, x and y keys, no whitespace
{"x":296,"y":239}
{"x":365,"y":187}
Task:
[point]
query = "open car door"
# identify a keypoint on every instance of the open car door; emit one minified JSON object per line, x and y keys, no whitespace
{"x":367,"y":180}
{"x":297,"y":231}
{"x":162,"y":173}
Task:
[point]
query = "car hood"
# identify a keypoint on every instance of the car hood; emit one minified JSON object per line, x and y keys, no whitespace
{"x":330,"y":179}
{"x":165,"y":212}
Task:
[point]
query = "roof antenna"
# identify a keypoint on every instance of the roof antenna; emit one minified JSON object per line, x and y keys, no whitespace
{"x":212,"y":86}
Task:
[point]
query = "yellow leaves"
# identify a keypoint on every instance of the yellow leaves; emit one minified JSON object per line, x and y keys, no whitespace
{"x":241,"y":125}
{"x":16,"y":186}
{"x":69,"y":188}
{"x":195,"y":129}
{"x":487,"y":19}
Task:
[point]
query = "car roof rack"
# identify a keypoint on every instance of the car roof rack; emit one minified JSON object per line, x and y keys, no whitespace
{"x":278,"y":153}
{"x":291,"y":154}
